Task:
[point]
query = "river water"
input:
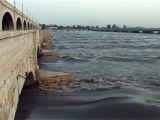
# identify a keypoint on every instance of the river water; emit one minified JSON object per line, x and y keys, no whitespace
{"x":117,"y":76}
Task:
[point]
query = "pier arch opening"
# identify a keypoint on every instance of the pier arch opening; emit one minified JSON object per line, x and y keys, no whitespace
{"x":39,"y":51}
{"x":7,"y":22}
{"x":28,"y":26}
{"x":30,"y":81}
{"x":29,"y":78}
{"x":31,"y":26}
{"x":25,"y":25}
{"x":19,"y":24}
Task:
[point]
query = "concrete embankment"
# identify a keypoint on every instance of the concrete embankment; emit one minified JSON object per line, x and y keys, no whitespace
{"x":46,"y":78}
{"x":50,"y":53}
{"x":53,"y":79}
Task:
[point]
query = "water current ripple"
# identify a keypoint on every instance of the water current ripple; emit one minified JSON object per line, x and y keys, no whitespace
{"x":117,"y":77}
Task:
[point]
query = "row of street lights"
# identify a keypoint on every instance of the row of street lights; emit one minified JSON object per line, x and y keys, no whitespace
{"x":28,"y":15}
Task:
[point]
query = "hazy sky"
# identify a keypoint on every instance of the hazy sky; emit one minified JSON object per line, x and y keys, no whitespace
{"x":94,"y":12}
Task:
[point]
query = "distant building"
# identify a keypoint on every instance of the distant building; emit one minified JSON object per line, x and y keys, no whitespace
{"x":51,"y":28}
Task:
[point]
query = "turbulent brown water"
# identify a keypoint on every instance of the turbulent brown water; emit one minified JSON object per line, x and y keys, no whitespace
{"x":117,"y":77}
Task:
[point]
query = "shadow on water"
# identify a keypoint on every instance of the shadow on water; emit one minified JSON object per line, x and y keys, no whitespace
{"x":123,"y":104}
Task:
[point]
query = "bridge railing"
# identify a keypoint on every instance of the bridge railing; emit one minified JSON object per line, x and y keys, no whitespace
{"x":14,"y":13}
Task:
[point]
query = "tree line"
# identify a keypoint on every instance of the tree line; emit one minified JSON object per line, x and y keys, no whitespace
{"x":82,"y":27}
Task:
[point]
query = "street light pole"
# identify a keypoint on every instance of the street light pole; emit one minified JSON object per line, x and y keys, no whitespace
{"x":22,"y":8}
{"x":14,"y":3}
{"x":14,"y":13}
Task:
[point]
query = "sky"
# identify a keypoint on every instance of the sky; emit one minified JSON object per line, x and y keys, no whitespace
{"x":145,"y":13}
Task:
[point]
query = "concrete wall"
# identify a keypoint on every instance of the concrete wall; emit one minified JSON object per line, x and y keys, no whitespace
{"x":18,"y":57}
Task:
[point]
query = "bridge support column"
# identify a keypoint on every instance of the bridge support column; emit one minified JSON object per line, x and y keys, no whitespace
{"x":22,"y":23}
{"x":15,"y":23}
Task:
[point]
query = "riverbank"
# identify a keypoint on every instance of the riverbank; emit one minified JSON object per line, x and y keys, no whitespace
{"x":47,"y":78}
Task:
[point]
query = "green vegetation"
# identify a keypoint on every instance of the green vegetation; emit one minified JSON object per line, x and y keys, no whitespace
{"x":82,"y":27}
{"x":66,"y":27}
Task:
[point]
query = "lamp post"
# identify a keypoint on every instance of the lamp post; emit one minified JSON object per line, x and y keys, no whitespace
{"x":14,"y":14}
{"x":14,"y":3}
{"x":22,"y":8}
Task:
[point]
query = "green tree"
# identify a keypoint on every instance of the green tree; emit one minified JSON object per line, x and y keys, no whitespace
{"x":60,"y":27}
{"x":124,"y":26}
{"x":43,"y":26}
{"x":92,"y":27}
{"x":83,"y":27}
{"x":114,"y":26}
{"x":97,"y":26}
{"x":109,"y":26}
{"x":88,"y":27}
{"x":79,"y":27}
{"x":74,"y":27}
{"x":55,"y":25}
